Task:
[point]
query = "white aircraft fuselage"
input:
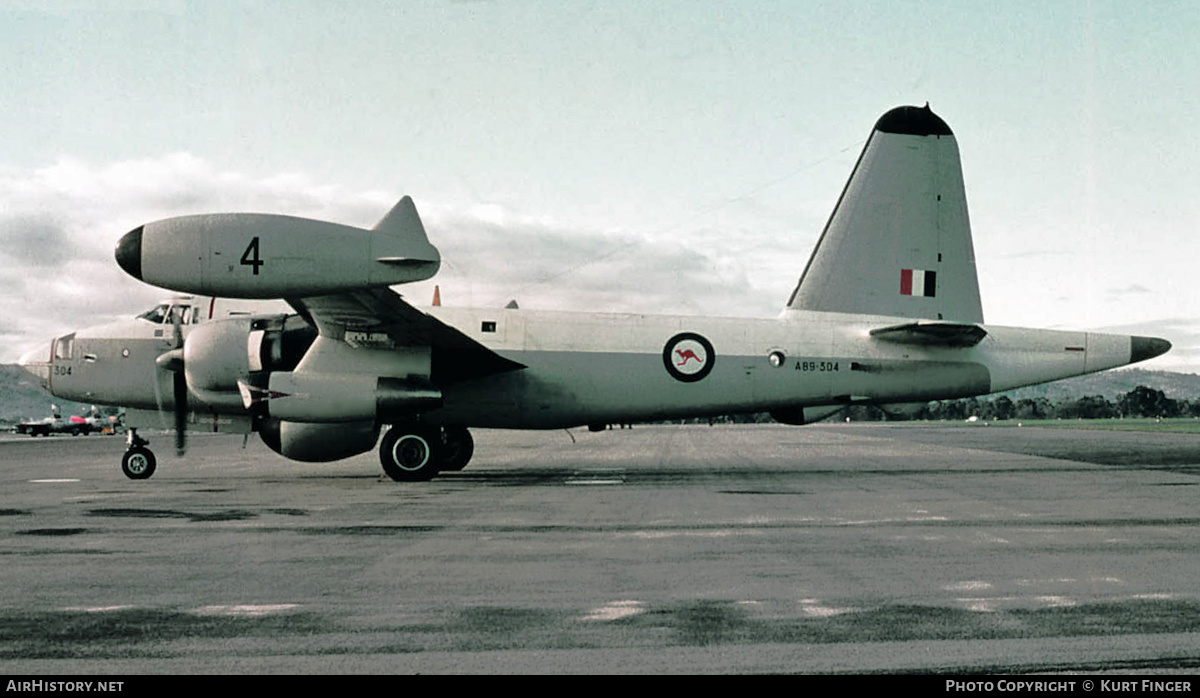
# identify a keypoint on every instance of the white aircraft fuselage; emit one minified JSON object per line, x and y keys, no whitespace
{"x":586,"y":368}
{"x":603,"y":368}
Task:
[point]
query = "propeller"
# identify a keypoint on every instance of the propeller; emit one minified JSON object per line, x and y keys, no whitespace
{"x":173,"y":361}
{"x":181,"y":391}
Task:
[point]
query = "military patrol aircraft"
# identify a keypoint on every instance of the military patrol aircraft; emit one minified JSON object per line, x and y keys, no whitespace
{"x":886,"y":311}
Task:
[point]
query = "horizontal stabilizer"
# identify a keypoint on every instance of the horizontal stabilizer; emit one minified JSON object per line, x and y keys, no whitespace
{"x":946,"y":334}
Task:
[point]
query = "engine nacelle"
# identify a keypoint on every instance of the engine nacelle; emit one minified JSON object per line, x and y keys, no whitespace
{"x":318,"y":443}
{"x":341,"y":397}
{"x":249,"y":255}
{"x":219,"y":355}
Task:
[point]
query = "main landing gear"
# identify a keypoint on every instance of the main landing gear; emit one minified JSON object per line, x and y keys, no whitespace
{"x":414,"y":452}
{"x":139,"y":462}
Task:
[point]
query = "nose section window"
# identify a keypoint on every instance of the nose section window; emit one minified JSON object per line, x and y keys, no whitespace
{"x":64,"y":346}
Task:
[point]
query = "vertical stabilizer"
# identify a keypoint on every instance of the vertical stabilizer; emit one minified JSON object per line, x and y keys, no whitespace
{"x":899,"y":241}
{"x":400,"y":240}
{"x":403,"y":221}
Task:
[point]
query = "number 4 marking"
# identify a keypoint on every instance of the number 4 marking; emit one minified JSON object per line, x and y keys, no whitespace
{"x":250,"y":256}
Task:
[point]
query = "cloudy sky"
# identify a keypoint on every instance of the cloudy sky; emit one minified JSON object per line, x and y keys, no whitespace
{"x":639,"y":156}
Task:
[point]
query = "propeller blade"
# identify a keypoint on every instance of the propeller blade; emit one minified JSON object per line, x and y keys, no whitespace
{"x":181,"y":388}
{"x":177,"y":324}
{"x":181,"y":410}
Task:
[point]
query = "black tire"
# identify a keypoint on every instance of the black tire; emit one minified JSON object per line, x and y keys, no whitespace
{"x":457,"y":448}
{"x":411,"y":452}
{"x":138,"y":463}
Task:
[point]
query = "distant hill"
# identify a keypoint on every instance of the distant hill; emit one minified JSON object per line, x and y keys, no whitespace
{"x":22,"y":398}
{"x":1112,"y":385}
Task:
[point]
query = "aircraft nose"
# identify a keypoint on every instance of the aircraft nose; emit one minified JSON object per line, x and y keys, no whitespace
{"x":1142,"y":348}
{"x":129,"y":253}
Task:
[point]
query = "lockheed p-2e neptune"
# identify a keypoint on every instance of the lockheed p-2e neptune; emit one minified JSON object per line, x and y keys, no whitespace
{"x":887,"y":311}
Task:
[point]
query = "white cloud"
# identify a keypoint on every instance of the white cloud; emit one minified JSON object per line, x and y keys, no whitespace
{"x":59,"y":224}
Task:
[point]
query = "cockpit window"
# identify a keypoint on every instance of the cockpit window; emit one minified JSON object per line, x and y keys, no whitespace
{"x":181,"y":314}
{"x":157,"y":314}
{"x":64,"y":346}
{"x":165,"y":314}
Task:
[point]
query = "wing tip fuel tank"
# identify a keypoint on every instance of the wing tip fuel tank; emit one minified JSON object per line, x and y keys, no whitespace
{"x":251,"y":255}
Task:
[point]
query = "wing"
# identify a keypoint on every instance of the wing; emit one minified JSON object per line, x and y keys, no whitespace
{"x":379,"y":318}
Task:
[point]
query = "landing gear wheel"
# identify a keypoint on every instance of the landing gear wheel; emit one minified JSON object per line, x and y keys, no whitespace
{"x":411,"y":452}
{"x":457,"y":448}
{"x":138,"y":463}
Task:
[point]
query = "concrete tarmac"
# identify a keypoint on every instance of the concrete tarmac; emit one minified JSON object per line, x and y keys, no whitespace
{"x":759,"y":548}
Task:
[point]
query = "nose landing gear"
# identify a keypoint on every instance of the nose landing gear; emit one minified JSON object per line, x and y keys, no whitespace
{"x":139,"y":462}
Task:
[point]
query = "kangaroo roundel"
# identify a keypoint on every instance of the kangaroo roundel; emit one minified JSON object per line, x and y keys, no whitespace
{"x":688,"y":357}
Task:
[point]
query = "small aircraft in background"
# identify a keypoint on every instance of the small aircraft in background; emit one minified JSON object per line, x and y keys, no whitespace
{"x":886,"y":311}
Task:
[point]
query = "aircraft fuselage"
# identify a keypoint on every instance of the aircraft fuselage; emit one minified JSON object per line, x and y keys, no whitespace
{"x":595,"y":368}
{"x":587,"y":368}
